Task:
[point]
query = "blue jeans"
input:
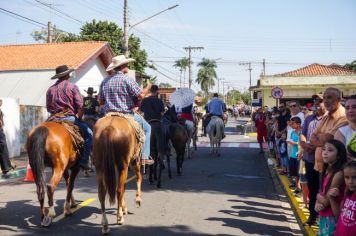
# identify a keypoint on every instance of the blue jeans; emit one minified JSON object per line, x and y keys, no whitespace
{"x":88,"y":138}
{"x":147,"y":129}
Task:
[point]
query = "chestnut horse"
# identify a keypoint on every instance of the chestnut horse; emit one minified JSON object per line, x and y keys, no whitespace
{"x":114,"y":146}
{"x":49,"y":144}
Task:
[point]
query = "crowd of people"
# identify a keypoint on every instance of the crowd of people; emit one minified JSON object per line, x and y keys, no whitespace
{"x":316,"y":148}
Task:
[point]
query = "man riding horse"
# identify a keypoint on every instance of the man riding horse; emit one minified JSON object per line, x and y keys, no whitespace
{"x":118,"y":93}
{"x":216,"y":107}
{"x":64,"y":102}
{"x":91,"y":108}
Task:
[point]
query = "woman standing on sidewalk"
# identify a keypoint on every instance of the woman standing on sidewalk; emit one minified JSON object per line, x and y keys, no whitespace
{"x":260,"y":123}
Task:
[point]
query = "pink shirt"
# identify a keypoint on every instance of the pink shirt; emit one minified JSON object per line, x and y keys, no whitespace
{"x":346,"y":224}
{"x":327,"y":211}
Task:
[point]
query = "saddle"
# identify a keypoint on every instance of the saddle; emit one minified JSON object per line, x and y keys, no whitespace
{"x":75,"y":134}
{"x":139,"y":133}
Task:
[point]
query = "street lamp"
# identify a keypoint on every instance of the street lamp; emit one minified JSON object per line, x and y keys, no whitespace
{"x":127,"y":27}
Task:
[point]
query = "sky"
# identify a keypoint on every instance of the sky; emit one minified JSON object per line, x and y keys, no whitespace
{"x":287,"y":34}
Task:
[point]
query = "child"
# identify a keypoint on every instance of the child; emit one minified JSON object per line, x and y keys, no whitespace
{"x":328,"y":206}
{"x":346,"y":224}
{"x":283,"y":153}
{"x":294,"y":144}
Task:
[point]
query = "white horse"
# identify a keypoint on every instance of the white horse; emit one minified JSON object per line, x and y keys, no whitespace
{"x":215,"y":130}
{"x":190,"y":127}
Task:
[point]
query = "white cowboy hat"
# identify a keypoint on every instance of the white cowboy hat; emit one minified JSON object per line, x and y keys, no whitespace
{"x":118,"y":61}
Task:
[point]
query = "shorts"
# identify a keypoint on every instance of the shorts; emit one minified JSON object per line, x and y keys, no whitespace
{"x":303,"y":179}
{"x":285,"y":161}
{"x":327,"y":225}
{"x":293,"y":167}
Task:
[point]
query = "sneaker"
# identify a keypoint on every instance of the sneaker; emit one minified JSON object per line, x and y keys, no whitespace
{"x":147,"y":162}
{"x":310,"y":221}
{"x":292,"y":185}
{"x":297,"y":191}
{"x":84,"y":167}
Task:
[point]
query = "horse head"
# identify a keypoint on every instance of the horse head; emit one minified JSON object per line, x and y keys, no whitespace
{"x":171,"y":114}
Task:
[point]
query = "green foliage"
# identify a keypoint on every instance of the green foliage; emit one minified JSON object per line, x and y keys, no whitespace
{"x":351,"y":66}
{"x":235,"y":96}
{"x":206,"y":75}
{"x":182,"y":64}
{"x":102,"y":31}
{"x":165,"y":85}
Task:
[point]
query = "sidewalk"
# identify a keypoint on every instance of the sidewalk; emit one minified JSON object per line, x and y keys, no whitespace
{"x":19,"y":172}
{"x":295,"y":200}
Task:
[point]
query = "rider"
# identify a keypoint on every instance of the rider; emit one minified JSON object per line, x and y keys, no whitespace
{"x":64,"y":102}
{"x":216,"y":107}
{"x":152,"y":106}
{"x":118,"y":92}
{"x":91,"y":105}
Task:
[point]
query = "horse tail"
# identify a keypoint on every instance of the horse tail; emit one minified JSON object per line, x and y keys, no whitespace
{"x":36,"y":148}
{"x":106,"y":146}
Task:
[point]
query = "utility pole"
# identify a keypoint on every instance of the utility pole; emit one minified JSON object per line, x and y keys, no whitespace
{"x":250,"y":69}
{"x":126,"y":29}
{"x":49,"y":32}
{"x":264,"y":66}
{"x":189,"y":49}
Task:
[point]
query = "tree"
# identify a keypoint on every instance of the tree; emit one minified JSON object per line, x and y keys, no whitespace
{"x":206,"y":74}
{"x":102,"y":31}
{"x":182,"y":64}
{"x":351,"y":66}
{"x":165,"y":85}
{"x":235,"y":96}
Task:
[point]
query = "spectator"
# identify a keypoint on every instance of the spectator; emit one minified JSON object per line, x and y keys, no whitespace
{"x":346,"y":224}
{"x":327,"y":204}
{"x":329,"y":124}
{"x":310,"y":124}
{"x":345,"y":133}
{"x":260,"y":123}
{"x":282,"y":147}
{"x":293,"y":158}
{"x":5,"y":163}
{"x":295,"y":110}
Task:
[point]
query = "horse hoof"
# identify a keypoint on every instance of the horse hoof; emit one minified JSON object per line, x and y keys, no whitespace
{"x":105,"y":230}
{"x":120,"y":220}
{"x":47,"y":220}
{"x":138,"y":203}
{"x":86,"y":174}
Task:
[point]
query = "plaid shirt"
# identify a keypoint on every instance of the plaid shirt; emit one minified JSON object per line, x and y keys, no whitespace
{"x":118,"y":92}
{"x":64,"y":95}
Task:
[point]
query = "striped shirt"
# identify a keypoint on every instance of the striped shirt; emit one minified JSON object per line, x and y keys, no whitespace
{"x":119,"y":93}
{"x":64,"y":95}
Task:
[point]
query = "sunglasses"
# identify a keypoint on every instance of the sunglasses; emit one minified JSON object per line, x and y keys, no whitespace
{"x":294,"y":105}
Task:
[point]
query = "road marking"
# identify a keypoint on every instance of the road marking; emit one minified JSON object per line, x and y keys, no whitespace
{"x":85,"y":203}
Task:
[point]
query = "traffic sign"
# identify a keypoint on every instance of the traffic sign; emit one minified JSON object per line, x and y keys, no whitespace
{"x":277,"y":93}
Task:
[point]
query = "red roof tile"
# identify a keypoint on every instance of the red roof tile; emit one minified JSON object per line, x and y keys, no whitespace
{"x":47,"y":55}
{"x":318,"y":70}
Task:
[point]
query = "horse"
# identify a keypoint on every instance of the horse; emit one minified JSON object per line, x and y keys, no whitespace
{"x":177,"y":135}
{"x":215,"y":130}
{"x":114,"y":147}
{"x":158,"y":151}
{"x":192,"y":137}
{"x":50,"y":145}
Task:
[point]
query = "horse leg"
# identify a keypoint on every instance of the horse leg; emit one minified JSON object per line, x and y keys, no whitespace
{"x":102,"y":194}
{"x":57,"y":175}
{"x":70,"y":202}
{"x":120,"y":193}
{"x":160,"y":167}
{"x":41,"y":196}
{"x":169,"y":166}
{"x":138,"y":200}
{"x":151,"y":173}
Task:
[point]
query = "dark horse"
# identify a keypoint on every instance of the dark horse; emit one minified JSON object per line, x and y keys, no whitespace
{"x":114,"y":147}
{"x":50,"y":144}
{"x":158,"y":151}
{"x":177,"y":135}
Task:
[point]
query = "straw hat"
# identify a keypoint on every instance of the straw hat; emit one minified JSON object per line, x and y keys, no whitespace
{"x":119,"y":61}
{"x":62,"y":71}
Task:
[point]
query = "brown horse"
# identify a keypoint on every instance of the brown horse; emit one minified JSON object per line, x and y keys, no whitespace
{"x":50,"y":144}
{"x":114,"y":146}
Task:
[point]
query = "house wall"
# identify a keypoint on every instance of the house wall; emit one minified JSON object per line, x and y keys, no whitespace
{"x":11,"y":110}
{"x":304,"y":87}
{"x":92,"y":75}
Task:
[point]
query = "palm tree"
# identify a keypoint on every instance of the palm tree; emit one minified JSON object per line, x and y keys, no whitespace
{"x":182,"y":64}
{"x":206,"y":74}
{"x":351,"y":66}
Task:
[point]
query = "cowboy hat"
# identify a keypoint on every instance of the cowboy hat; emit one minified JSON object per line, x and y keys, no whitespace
{"x":90,"y":90}
{"x":62,"y":71}
{"x":119,"y":61}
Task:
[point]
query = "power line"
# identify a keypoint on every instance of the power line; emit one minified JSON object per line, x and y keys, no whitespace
{"x":23,"y":17}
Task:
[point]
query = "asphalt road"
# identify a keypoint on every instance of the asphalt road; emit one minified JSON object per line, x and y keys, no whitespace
{"x":229,"y":195}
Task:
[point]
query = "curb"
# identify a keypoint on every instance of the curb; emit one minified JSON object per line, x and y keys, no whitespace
{"x":282,"y":183}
